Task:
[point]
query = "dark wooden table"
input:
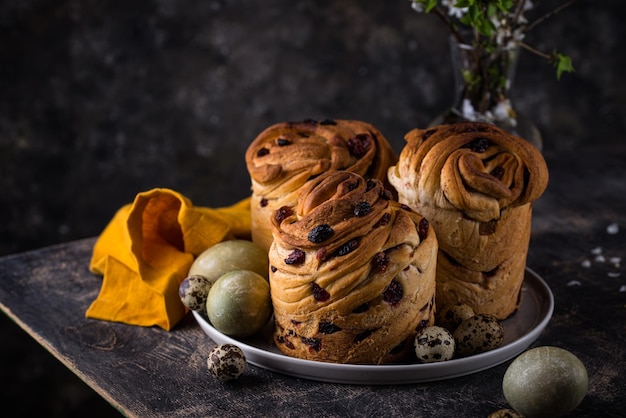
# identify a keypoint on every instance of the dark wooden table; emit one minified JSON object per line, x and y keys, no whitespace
{"x":147,"y":372}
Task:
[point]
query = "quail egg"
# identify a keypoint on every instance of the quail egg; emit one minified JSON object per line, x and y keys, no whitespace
{"x":451,"y":316}
{"x":478,"y":334}
{"x":193,"y":291}
{"x":505,"y":413}
{"x":545,"y":382}
{"x":226,"y":362}
{"x":434,"y":344}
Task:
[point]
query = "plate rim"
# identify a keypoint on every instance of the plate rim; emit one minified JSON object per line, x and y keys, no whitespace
{"x":394,"y":374}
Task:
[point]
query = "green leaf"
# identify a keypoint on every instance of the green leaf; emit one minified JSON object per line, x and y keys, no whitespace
{"x":486,"y":27}
{"x":505,"y":5}
{"x":477,"y":18}
{"x":472,"y":17}
{"x":563,"y":64}
{"x":428,"y":4}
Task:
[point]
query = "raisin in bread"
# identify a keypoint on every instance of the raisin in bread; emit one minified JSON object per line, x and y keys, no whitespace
{"x":475,"y":183}
{"x":352,"y":273}
{"x":286,"y":155}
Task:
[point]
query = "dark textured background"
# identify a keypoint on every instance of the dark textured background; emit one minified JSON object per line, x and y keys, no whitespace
{"x":100,"y":100}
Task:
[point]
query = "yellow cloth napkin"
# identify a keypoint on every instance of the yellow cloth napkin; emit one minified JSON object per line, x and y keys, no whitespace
{"x":146,"y":251}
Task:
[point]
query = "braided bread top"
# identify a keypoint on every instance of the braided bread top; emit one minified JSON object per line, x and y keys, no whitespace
{"x":475,"y":167}
{"x":285,"y":155}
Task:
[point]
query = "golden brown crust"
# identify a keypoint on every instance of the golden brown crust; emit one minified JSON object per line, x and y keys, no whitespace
{"x":286,"y":155}
{"x":352,"y":273}
{"x":475,"y":183}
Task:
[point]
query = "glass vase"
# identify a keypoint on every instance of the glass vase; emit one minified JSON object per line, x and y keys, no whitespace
{"x":483,"y":81}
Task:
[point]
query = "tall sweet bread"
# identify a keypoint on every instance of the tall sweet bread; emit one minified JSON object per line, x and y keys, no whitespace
{"x":286,"y":155}
{"x":352,"y":273}
{"x":475,"y":183}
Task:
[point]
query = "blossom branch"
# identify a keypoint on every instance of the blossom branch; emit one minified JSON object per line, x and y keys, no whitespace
{"x":550,"y":14}
{"x":446,"y":20}
{"x":534,"y":50}
{"x":497,"y":26}
{"x":519,"y":10}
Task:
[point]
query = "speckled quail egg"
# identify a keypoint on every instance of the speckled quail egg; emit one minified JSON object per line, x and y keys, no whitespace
{"x":193,"y":292}
{"x":505,"y":413}
{"x":451,"y":316}
{"x":545,"y":382}
{"x":434,"y":344}
{"x":226,"y":362}
{"x":478,"y":334}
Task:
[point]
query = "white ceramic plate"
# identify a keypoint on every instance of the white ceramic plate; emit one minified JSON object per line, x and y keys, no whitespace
{"x":521,"y":330}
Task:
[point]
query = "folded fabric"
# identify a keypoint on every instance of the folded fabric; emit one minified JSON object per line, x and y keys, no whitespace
{"x":146,"y":251}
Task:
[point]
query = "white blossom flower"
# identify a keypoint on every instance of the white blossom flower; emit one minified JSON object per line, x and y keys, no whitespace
{"x":417,"y":6}
{"x":503,"y":34}
{"x":504,"y":111}
{"x":468,"y":110}
{"x":509,"y":39}
{"x":456,"y":12}
{"x":528,"y":5}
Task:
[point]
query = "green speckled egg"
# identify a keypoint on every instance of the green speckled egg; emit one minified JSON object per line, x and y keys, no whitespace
{"x":231,"y":255}
{"x":239,"y":303}
{"x":545,"y":382}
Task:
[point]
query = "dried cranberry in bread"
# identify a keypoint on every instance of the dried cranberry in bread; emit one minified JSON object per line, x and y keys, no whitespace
{"x":286,"y":155}
{"x":475,"y":183}
{"x":352,"y":273}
